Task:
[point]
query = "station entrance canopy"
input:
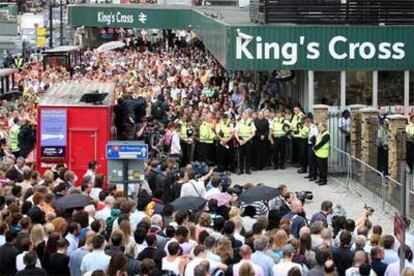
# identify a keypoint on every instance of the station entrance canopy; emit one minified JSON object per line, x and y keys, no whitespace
{"x":240,"y":45}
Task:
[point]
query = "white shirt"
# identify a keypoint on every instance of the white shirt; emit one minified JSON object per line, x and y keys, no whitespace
{"x":193,"y":188}
{"x":175,"y":143}
{"x":20,"y":264}
{"x":354,"y":271}
{"x":282,"y":268}
{"x":394,"y":268}
{"x":96,"y":260}
{"x":103,"y":214}
{"x":171,"y":266}
{"x":189,"y":268}
{"x":345,"y":124}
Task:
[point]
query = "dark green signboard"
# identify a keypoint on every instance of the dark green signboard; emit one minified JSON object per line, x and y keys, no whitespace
{"x":321,"y":47}
{"x":256,"y":47}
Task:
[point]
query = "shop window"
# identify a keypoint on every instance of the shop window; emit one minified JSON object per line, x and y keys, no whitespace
{"x":359,"y":87}
{"x":390,"y":88}
{"x":411,"y":88}
{"x":327,"y":88}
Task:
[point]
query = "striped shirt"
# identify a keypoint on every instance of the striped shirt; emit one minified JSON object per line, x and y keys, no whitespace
{"x":261,"y":208}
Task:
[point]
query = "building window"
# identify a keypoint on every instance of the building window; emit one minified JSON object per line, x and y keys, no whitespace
{"x":359,"y":87}
{"x":411,"y":88}
{"x":327,"y":88}
{"x":390,"y":88}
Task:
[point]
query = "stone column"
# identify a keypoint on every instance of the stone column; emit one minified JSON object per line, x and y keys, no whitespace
{"x":369,"y":131}
{"x":356,"y":129}
{"x":396,"y":148}
{"x":320,"y":113}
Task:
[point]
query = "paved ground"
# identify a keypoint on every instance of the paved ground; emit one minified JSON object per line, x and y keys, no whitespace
{"x":352,"y":202}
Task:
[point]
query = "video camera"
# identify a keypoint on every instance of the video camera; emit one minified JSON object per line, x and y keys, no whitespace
{"x":304,"y":195}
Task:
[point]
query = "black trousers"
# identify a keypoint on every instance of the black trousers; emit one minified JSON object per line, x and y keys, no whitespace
{"x":295,"y":150}
{"x":225,"y":157}
{"x":323,"y":169}
{"x":279,"y":151}
{"x":260,"y":153}
{"x":410,"y":155}
{"x":206,"y":151}
{"x":245,"y":153}
{"x":383,"y":159}
{"x":186,"y":153}
{"x":313,"y":165}
{"x":303,"y":157}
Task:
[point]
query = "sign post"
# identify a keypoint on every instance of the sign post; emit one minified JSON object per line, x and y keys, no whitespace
{"x":126,"y":163}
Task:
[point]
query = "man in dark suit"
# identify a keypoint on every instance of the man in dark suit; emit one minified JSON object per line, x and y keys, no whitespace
{"x":8,"y":254}
{"x":377,"y":255}
{"x":343,"y":256}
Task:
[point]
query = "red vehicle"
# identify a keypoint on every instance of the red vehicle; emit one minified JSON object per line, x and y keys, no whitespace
{"x":75,"y":121}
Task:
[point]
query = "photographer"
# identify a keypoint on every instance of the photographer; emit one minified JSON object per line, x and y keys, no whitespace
{"x":195,"y":187}
{"x":280,"y":203}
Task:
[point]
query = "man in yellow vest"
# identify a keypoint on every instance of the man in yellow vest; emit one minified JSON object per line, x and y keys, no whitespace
{"x":206,"y":140}
{"x":322,"y":153}
{"x":224,"y":132}
{"x":296,"y":126}
{"x":14,"y":138}
{"x":303,"y":144}
{"x":245,"y":131}
{"x":409,"y":129}
{"x":277,"y":138}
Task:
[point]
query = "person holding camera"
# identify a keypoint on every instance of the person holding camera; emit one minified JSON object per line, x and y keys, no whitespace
{"x":224,"y":132}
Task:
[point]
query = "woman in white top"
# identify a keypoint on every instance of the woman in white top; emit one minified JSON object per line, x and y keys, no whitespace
{"x":173,"y":262}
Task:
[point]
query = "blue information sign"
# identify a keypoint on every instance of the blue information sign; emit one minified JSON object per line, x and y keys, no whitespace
{"x":53,"y":130}
{"x":127,"y":151}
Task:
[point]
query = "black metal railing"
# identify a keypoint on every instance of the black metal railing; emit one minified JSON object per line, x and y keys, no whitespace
{"x":372,"y":12}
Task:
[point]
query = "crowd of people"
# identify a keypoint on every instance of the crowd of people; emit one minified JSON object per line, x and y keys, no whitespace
{"x":193,"y":111}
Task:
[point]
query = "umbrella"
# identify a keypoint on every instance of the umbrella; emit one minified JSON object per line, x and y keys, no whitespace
{"x":188,"y":203}
{"x":73,"y":201}
{"x":110,"y":46}
{"x":258,"y":193}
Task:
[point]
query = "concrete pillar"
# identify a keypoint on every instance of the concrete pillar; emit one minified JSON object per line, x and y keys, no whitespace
{"x":369,"y":129}
{"x":356,"y":129}
{"x":320,"y":113}
{"x":311,"y":90}
{"x":396,"y":148}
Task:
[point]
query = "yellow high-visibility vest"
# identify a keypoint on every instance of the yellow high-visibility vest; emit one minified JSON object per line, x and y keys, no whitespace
{"x":409,"y":129}
{"x":277,"y":128}
{"x":183,"y":131}
{"x":297,"y":118}
{"x":225,"y":129}
{"x":13,"y":138}
{"x":323,"y":152}
{"x":206,"y":133}
{"x":245,"y":129}
{"x":304,"y":132}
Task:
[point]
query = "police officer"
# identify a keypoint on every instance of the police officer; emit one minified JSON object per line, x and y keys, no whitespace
{"x":18,"y":62}
{"x":410,"y":142}
{"x":322,"y":153}
{"x":224,"y":132}
{"x":295,"y":126}
{"x":14,"y":137}
{"x":245,"y":131}
{"x":382,"y":144}
{"x":312,"y":164}
{"x":303,"y":144}
{"x":260,"y":142}
{"x":277,"y":138}
{"x":206,"y":140}
{"x":185,"y":139}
